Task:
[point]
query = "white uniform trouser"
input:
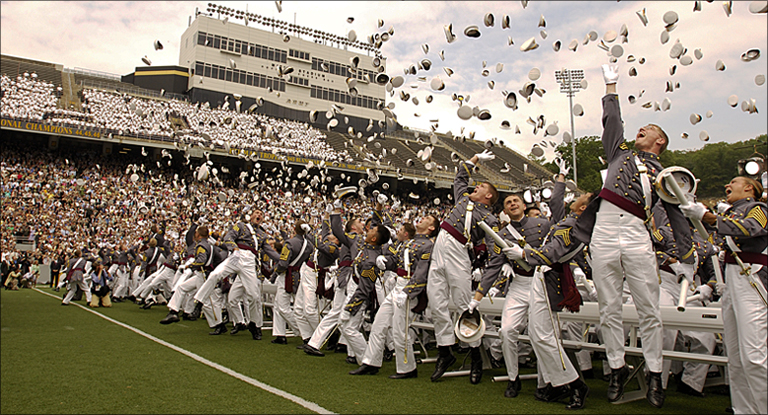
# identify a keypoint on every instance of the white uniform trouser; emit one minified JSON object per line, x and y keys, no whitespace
{"x":143,"y":289}
{"x":135,"y":280}
{"x":745,"y":319}
{"x":121,"y":286}
{"x":669,"y":293}
{"x":695,"y":374}
{"x":331,"y":320}
{"x":350,"y":325}
{"x":241,"y":262}
{"x":514,"y":319}
{"x":621,"y":248}
{"x":254,"y":309}
{"x":211,"y":306}
{"x":282,"y":308}
{"x":573,"y":330}
{"x":449,"y":279}
{"x":394,"y":317}
{"x":72,"y":288}
{"x":163,"y":281}
{"x":553,"y":364}
{"x":305,"y":306}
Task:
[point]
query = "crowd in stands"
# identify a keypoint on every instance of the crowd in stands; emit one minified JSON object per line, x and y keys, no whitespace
{"x":75,"y":199}
{"x":116,"y":113}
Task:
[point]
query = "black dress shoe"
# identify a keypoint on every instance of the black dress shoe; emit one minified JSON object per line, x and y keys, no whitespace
{"x":388,"y":354}
{"x":148,"y":305}
{"x":188,"y":317}
{"x":340,"y":348}
{"x":172,"y":317}
{"x":220,"y":329}
{"x":365,"y":370}
{"x":476,"y":371}
{"x":304,"y":342}
{"x":551,"y":394}
{"x":616,"y":383}
{"x":412,"y":374}
{"x":497,"y":363}
{"x":683,"y":387}
{"x":255,"y":331}
{"x":655,"y":393}
{"x":352,"y":360}
{"x":280,"y":340}
{"x":442,"y":364}
{"x":513,"y":388}
{"x":578,"y":397}
{"x":312,"y":351}
{"x":198,"y":310}
{"x":238,"y":328}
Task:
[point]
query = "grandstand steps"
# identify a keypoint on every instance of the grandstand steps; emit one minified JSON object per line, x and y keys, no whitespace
{"x":70,"y":97}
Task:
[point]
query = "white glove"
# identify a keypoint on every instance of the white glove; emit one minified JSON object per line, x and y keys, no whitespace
{"x":683,"y":271}
{"x":507,"y":270}
{"x":305,"y":227}
{"x":473,"y":305}
{"x":705,"y":294}
{"x":396,"y":205}
{"x":477,"y":275}
{"x":400,"y":298}
{"x":493,"y":292}
{"x":329,"y":208}
{"x":694,"y":211}
{"x":333,"y":268}
{"x":513,"y":253}
{"x":337,"y":204}
{"x":720,"y":288}
{"x":381,"y":198}
{"x":381,"y":262}
{"x":610,"y":73}
{"x":563,"y":168}
{"x":485,"y":155}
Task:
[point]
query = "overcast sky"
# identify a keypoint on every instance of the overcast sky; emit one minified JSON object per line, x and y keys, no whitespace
{"x":113,"y":36}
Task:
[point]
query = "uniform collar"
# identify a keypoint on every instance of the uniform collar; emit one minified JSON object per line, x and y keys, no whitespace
{"x":647,"y":155}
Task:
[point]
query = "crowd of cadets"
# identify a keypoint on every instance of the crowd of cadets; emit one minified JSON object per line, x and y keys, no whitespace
{"x":336,"y":269}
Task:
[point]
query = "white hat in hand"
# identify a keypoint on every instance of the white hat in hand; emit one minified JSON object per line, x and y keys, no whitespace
{"x":382,"y":198}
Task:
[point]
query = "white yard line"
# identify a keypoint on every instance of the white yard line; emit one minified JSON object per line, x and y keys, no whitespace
{"x":281,"y":393}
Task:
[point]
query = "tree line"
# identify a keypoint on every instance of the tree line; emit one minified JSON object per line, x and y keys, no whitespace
{"x":714,"y":165}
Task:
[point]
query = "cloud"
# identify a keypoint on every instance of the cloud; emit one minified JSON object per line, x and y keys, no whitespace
{"x":113,"y":36}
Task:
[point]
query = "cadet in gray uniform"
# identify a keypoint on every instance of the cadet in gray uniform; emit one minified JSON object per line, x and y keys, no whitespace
{"x":745,"y":312}
{"x":341,"y":295}
{"x":410,"y":262}
{"x":296,"y":251}
{"x":496,"y":277}
{"x":450,"y":272}
{"x":621,"y":246}
{"x":553,"y":290}
{"x":75,"y":279}
{"x":253,"y":318}
{"x":207,"y":257}
{"x":363,"y":266}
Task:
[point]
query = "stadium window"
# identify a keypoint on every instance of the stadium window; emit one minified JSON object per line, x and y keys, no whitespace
{"x":283,"y":56}
{"x":199,"y":67}
{"x":314,"y":64}
{"x":237,"y":46}
{"x":313,"y":92}
{"x":243,"y":78}
{"x":262,"y":81}
{"x":201,"y":38}
{"x":222,"y":72}
{"x":249,"y":79}
{"x":207,"y":72}
{"x":257,"y":51}
{"x":216,"y":41}
{"x":269,"y":83}
{"x":325,"y":95}
{"x":271,"y":54}
{"x":282,"y":85}
{"x":231,"y":45}
{"x":235,"y":76}
{"x":228,"y":75}
{"x":215,"y":72}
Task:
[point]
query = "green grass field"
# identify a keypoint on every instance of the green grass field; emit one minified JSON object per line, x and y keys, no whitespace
{"x":66,"y":360}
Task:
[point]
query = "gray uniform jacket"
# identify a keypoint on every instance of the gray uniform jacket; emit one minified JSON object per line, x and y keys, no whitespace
{"x":419,"y":255}
{"x":623,"y":184}
{"x":454,"y":223}
{"x":292,"y":253}
{"x":745,"y":222}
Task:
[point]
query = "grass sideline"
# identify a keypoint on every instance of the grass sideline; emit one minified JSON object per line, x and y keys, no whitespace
{"x":58,"y":359}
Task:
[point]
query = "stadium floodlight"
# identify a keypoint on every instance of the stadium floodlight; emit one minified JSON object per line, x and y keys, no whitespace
{"x":570,"y":84}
